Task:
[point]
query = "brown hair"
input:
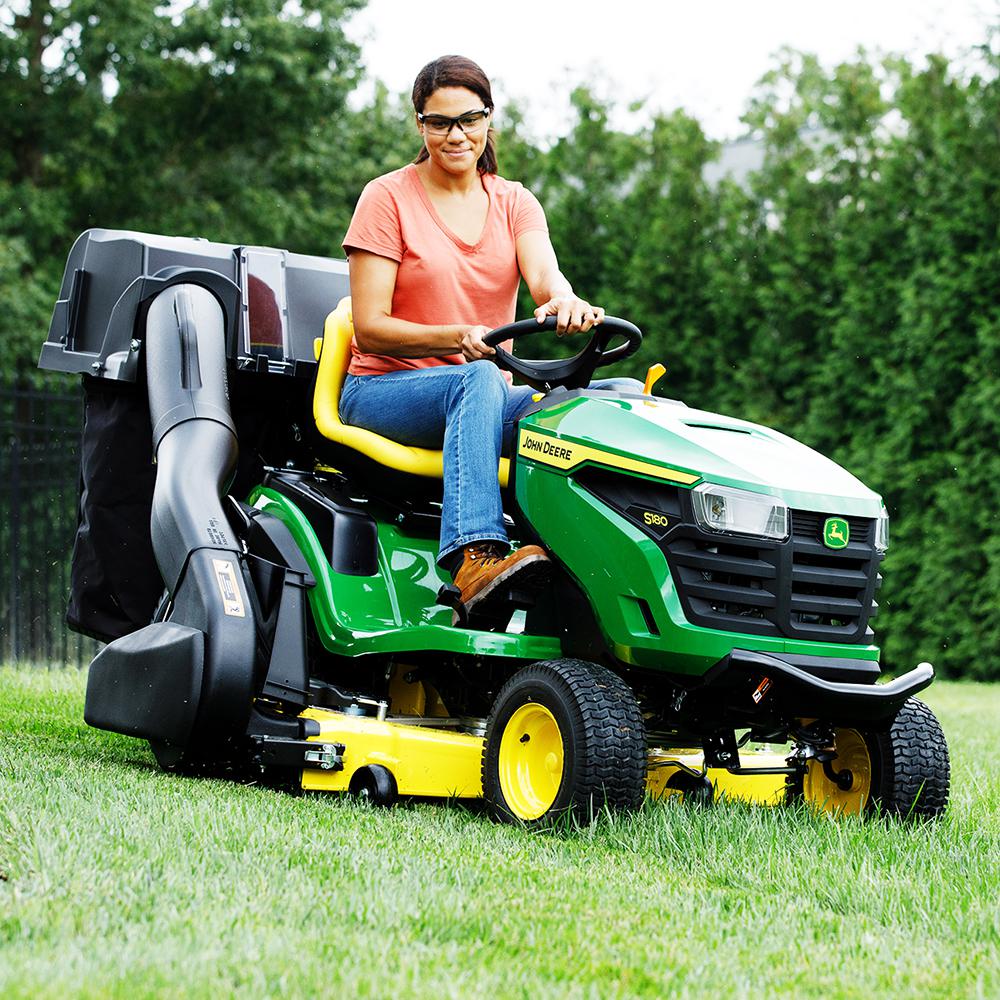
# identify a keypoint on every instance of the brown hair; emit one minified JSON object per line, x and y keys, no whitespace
{"x":456,"y":71}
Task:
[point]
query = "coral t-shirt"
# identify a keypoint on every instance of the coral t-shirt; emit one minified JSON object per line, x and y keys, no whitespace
{"x":441,"y":279}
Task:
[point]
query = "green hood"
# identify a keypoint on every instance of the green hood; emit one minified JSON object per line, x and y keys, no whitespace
{"x":717,"y":448}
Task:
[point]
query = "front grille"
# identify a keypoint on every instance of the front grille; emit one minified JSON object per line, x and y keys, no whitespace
{"x":798,"y":588}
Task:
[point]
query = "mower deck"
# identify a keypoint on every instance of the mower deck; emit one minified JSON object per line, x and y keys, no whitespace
{"x":422,"y":760}
{"x":439,"y":763}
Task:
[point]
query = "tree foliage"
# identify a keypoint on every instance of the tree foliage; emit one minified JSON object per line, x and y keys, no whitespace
{"x":847,"y":292}
{"x":222,"y":118}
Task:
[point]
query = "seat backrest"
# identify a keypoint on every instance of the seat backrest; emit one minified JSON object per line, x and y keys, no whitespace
{"x":334,"y":352}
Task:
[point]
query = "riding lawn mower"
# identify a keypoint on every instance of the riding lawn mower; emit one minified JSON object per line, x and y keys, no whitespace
{"x":265,"y":575}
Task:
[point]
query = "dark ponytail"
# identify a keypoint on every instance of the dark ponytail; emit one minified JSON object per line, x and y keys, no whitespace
{"x":456,"y":71}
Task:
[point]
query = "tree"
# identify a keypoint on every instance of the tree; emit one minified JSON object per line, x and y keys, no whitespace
{"x":219,"y":119}
{"x":872,"y":328}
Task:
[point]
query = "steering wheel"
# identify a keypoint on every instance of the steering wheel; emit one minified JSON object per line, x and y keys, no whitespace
{"x":574,"y":372}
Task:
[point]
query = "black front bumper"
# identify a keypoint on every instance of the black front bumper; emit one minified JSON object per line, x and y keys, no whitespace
{"x":748,"y":689}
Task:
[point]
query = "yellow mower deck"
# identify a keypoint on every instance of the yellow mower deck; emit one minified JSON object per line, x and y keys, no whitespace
{"x":438,"y":763}
{"x":763,"y":789}
{"x":424,"y":761}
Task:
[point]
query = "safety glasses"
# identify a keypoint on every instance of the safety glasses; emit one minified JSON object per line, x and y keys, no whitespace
{"x":470,"y":122}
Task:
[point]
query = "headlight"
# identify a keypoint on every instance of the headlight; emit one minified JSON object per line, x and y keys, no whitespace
{"x":721,"y":508}
{"x":882,"y":531}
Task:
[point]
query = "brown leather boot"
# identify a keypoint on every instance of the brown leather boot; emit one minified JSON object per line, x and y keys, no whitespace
{"x":484,"y":568}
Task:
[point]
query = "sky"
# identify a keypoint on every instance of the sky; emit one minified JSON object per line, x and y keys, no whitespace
{"x":702,"y":57}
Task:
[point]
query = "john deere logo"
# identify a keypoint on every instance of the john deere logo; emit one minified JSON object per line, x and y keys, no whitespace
{"x":836,"y":533}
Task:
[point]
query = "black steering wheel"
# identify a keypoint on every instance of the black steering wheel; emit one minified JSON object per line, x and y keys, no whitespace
{"x":574,"y":372}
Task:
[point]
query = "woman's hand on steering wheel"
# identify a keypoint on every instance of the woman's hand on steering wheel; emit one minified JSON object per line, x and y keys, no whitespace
{"x":472,"y":346}
{"x":573,"y":314}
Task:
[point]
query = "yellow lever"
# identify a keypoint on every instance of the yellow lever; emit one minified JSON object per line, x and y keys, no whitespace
{"x":655,"y":373}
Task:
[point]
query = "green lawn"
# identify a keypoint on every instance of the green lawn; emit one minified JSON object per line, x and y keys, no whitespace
{"x":117,"y":880}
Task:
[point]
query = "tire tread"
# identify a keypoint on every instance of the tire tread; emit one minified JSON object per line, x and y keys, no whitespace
{"x":611,"y":763}
{"x":916,"y":772}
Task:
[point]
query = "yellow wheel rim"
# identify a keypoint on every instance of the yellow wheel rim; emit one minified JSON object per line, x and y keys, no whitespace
{"x":530,"y":761}
{"x":852,"y":755}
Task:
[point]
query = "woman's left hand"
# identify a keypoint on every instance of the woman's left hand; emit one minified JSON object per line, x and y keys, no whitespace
{"x":573,"y":315}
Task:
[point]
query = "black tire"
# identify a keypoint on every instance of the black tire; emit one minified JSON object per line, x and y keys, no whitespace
{"x":902,"y":771}
{"x":374,"y":783}
{"x":603,"y":741}
{"x":911,"y":771}
{"x":191,"y":761}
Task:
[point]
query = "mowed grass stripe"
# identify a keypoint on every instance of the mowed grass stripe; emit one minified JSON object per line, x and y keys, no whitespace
{"x":117,"y":880}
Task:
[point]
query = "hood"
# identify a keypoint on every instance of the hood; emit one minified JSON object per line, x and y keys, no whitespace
{"x":717,"y":448}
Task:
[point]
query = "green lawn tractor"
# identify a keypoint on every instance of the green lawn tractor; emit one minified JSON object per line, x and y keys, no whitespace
{"x":265,"y":578}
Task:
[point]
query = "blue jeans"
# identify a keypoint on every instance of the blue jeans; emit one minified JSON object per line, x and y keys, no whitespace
{"x":469,"y":412}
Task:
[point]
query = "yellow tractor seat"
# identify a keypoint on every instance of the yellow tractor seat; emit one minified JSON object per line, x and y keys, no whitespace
{"x":334,"y":354}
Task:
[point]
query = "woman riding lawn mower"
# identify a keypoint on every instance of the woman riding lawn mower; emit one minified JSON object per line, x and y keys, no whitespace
{"x":437,"y":251}
{"x":712,"y":581}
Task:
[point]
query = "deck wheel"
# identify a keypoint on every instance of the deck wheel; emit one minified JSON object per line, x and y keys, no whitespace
{"x":374,"y":783}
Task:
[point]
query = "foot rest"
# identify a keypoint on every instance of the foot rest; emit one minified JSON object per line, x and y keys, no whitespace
{"x":494,"y":616}
{"x":451,"y":597}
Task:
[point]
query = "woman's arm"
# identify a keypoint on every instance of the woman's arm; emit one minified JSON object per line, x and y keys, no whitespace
{"x":549,"y":287}
{"x":377,"y":331}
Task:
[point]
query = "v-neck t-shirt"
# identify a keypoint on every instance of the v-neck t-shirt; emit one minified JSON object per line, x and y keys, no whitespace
{"x":442,"y":280}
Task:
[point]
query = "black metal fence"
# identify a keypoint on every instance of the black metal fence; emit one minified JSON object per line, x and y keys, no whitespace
{"x":39,"y":479}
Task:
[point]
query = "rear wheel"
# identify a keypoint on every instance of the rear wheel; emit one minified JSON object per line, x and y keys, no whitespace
{"x":194,"y":759}
{"x":564,"y":736}
{"x":903,"y":771}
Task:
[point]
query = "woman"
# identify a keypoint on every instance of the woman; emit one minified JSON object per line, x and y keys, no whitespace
{"x":436,"y":253}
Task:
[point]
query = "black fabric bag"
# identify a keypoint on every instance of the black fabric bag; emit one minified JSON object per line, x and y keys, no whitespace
{"x":115,"y":585}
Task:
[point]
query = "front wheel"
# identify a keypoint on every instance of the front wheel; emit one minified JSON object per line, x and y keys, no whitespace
{"x":902,"y":772}
{"x":563,"y":737}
